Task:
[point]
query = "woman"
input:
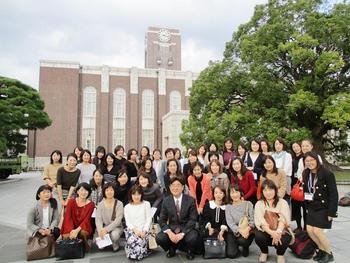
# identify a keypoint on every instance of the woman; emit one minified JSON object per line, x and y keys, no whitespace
{"x":297,"y":206}
{"x":96,"y":184}
{"x":264,"y":235}
{"x":254,"y":159}
{"x":265,"y":147}
{"x":138,"y":222}
{"x":306,"y":146}
{"x":43,"y":217}
{"x":216,"y":176}
{"x":199,"y":186}
{"x":119,"y":161}
{"x":173,"y":170}
{"x":77,"y":223}
{"x":229,"y":153}
{"x":283,"y":160}
{"x":147,"y":167}
{"x":122,"y":187}
{"x":132,"y":165}
{"x":157,"y":162}
{"x":100,"y":153}
{"x":271,"y":172}
{"x":244,"y":178}
{"x":242,"y":153}
{"x":214,"y":220}
{"x":109,"y":216}
{"x":201,"y":153}
{"x":86,"y":167}
{"x":321,"y":198}
{"x":67,"y":179}
{"x":178,"y":154}
{"x":77,"y":150}
{"x":50,"y":171}
{"x":234,"y":213}
{"x":144,"y":153}
{"x":213,"y":147}
{"x":109,"y":168}
{"x":151,"y":191}
{"x":192,"y":159}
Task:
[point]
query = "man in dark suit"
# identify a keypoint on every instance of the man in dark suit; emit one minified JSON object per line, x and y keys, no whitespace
{"x":178,"y":217}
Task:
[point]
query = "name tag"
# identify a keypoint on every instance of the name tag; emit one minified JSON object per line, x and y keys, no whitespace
{"x":308,"y":196}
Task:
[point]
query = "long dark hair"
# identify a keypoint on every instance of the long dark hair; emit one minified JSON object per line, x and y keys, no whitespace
{"x":274,"y":170}
{"x":58,"y":152}
{"x":105,"y":159}
{"x":271,"y":185}
{"x":135,"y":189}
{"x":233,"y":145}
{"x":224,"y":199}
{"x":178,"y":172}
{"x":242,"y":171}
{"x":52,"y":201}
{"x":144,"y":175}
{"x":92,"y":181}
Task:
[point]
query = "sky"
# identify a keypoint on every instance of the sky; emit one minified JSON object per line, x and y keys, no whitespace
{"x":112,"y":32}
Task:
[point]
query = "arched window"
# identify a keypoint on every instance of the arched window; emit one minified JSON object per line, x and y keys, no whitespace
{"x":119,"y":108}
{"x":88,"y":133}
{"x":175,"y":100}
{"x":148,"y":118}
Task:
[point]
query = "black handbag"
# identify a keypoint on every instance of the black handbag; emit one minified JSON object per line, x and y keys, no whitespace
{"x":69,"y":249}
{"x":213,"y":248}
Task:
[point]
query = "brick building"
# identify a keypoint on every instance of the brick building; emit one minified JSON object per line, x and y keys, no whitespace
{"x":104,"y":105}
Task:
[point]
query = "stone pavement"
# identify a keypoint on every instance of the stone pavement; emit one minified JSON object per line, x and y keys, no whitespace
{"x":18,"y":194}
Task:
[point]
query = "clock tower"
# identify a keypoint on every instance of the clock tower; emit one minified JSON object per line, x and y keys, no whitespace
{"x":163,"y":48}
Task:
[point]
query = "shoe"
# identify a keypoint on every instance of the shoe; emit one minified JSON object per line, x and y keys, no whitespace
{"x":171,"y":253}
{"x":245,"y":252}
{"x":319,"y":255}
{"x":326,"y":258}
{"x":263,"y":258}
{"x":115,"y":247}
{"x":190,"y":256}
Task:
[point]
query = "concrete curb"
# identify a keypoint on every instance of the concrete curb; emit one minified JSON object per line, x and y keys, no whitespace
{"x":8,"y":181}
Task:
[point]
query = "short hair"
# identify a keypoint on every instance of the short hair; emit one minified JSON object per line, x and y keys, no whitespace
{"x":313,"y":155}
{"x":274,"y":169}
{"x":84,"y":185}
{"x":177,"y":150}
{"x":257,"y":141}
{"x":217,"y":162}
{"x":128,"y":155}
{"x":271,"y":185}
{"x":193,"y":165}
{"x":58,"y":152}
{"x":213,"y":153}
{"x":224,"y":199}
{"x":52,"y":201}
{"x":157,"y":150}
{"x":118,"y":148}
{"x":85,"y":151}
{"x":192,"y":152}
{"x":79,"y":148}
{"x":72,"y":155}
{"x":281,"y":141}
{"x":215,"y":144}
{"x":135,"y":189}
{"x":144,"y":175}
{"x":106,"y":186}
{"x":176,"y":178}
{"x":231,"y":141}
{"x":267,"y":143}
{"x":236,"y":188}
{"x":169,"y":150}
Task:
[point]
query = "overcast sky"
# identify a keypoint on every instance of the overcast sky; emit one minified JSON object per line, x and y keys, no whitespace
{"x":111,"y":32}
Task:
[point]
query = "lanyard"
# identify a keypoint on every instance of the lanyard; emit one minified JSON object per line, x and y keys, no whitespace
{"x":311,"y":186}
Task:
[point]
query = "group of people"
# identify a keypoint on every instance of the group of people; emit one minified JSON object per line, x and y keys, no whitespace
{"x":211,"y":194}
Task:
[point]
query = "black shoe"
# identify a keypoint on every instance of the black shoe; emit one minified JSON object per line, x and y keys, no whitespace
{"x":190,"y":256}
{"x":171,"y":253}
{"x":319,"y":255}
{"x":245,"y":252}
{"x":326,"y":258}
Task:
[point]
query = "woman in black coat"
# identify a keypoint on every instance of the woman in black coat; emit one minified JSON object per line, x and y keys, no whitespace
{"x":321,"y":199}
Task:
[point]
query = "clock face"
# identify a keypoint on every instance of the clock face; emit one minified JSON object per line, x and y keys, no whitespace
{"x":164,"y":35}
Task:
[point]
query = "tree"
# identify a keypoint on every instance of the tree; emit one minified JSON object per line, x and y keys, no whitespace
{"x":20,"y":109}
{"x":284,"y":73}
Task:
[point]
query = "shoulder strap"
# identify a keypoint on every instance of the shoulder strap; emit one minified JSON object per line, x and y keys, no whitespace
{"x":114,"y":207}
{"x":246,"y":209}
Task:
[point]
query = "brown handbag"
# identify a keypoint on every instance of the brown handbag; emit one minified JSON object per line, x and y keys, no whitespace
{"x":271,"y":219}
{"x":40,"y":247}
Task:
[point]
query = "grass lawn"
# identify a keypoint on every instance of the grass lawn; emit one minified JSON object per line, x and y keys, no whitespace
{"x":342,"y":176}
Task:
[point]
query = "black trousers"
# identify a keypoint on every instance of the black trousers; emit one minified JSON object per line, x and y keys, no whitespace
{"x":189,"y":243}
{"x":232,"y":243}
{"x":264,"y":240}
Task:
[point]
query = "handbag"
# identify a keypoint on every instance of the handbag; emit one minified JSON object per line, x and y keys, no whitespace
{"x":213,"y":248}
{"x":70,"y":249}
{"x":271,"y":219}
{"x":297,"y":192}
{"x":244,"y":221}
{"x":154,"y":230}
{"x":40,"y":247}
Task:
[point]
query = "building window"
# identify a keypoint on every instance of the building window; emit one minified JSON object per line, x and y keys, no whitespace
{"x":119,"y":109}
{"x":89,"y":119}
{"x":148,"y":118}
{"x":175,"y":100}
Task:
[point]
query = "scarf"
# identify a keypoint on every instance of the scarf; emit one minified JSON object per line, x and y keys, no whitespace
{"x":199,"y":191}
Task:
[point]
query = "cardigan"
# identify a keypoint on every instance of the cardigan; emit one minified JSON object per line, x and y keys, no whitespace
{"x":104,"y":216}
{"x":247,"y":184}
{"x":283,"y":161}
{"x":50,"y":172}
{"x":234,"y":213}
{"x":206,"y":189}
{"x":282,"y":207}
{"x":221,"y":180}
{"x":280,"y":181}
{"x":35,"y":218}
{"x":138,"y":216}
{"x":214,"y":216}
{"x":257,"y":165}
